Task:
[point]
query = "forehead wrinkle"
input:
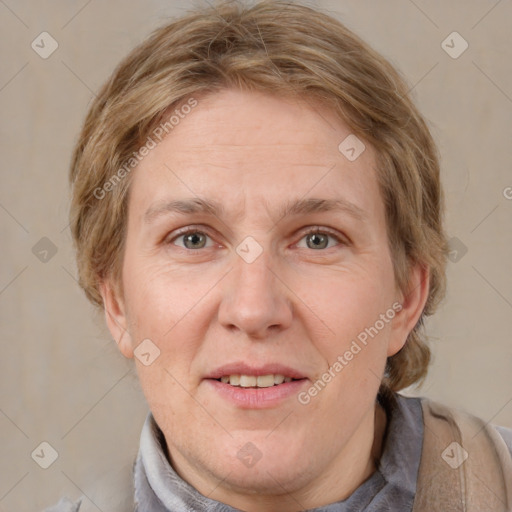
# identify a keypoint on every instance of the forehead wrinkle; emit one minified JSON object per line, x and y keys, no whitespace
{"x":252,"y":144}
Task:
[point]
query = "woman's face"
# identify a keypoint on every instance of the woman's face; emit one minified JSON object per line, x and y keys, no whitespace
{"x":257,"y":251}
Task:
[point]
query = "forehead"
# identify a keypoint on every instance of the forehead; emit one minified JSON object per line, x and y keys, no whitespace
{"x":234,"y":121}
{"x":245,"y":147}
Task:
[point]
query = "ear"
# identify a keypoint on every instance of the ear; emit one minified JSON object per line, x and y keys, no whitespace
{"x":412,"y":303}
{"x":116,"y":318}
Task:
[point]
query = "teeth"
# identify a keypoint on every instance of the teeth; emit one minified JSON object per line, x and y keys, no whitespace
{"x":234,"y":380}
{"x":248,"y":381}
{"x":265,"y":381}
{"x":251,"y":381}
{"x":278,"y":379}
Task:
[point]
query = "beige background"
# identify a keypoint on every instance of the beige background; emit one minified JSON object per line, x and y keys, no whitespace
{"x":63,"y":380}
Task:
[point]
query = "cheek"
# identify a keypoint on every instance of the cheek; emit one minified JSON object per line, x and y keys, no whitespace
{"x":355,"y":351}
{"x":157,"y":295}
{"x":162,"y":307}
{"x":153,"y":309}
{"x":354,"y":354}
{"x":351,"y":302}
{"x":173,"y":309}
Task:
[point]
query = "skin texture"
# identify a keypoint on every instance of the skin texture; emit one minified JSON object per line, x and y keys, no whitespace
{"x":295,"y":304}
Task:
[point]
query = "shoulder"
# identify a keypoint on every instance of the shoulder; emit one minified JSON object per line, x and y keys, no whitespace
{"x":460,"y":447}
{"x":464,"y":421}
{"x":444,"y":424}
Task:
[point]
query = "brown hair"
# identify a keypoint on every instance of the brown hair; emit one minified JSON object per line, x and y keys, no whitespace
{"x":282,"y":48}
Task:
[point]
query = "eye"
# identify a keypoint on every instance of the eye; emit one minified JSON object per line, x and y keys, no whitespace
{"x":317,"y":239}
{"x":192,"y":239}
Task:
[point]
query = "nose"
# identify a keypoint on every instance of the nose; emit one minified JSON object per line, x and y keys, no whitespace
{"x":255,"y":299}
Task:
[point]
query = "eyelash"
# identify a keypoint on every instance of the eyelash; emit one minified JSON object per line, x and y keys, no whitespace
{"x":311,"y":231}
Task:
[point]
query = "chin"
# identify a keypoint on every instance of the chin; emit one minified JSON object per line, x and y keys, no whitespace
{"x":265,"y":467}
{"x":270,"y":479}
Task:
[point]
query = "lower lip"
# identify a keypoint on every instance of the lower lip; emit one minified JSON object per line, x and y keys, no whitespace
{"x":257,"y":398}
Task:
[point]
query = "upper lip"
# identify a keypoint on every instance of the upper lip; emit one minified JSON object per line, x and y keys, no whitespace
{"x":240,"y":368}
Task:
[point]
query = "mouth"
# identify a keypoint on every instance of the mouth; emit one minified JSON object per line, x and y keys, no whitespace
{"x":256,"y":387}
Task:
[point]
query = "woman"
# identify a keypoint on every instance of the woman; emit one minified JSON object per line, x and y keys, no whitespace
{"x":257,"y":208}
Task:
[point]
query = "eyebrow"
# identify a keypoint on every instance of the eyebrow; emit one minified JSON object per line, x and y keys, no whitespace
{"x":315,"y":205}
{"x":184,"y":206}
{"x":291,"y":208}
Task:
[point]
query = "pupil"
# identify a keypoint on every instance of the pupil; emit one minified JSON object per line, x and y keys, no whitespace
{"x":318,"y":241}
{"x":195,"y":240}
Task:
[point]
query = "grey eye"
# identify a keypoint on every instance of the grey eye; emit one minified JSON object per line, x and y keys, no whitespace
{"x":317,"y":240}
{"x":194,"y":240}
